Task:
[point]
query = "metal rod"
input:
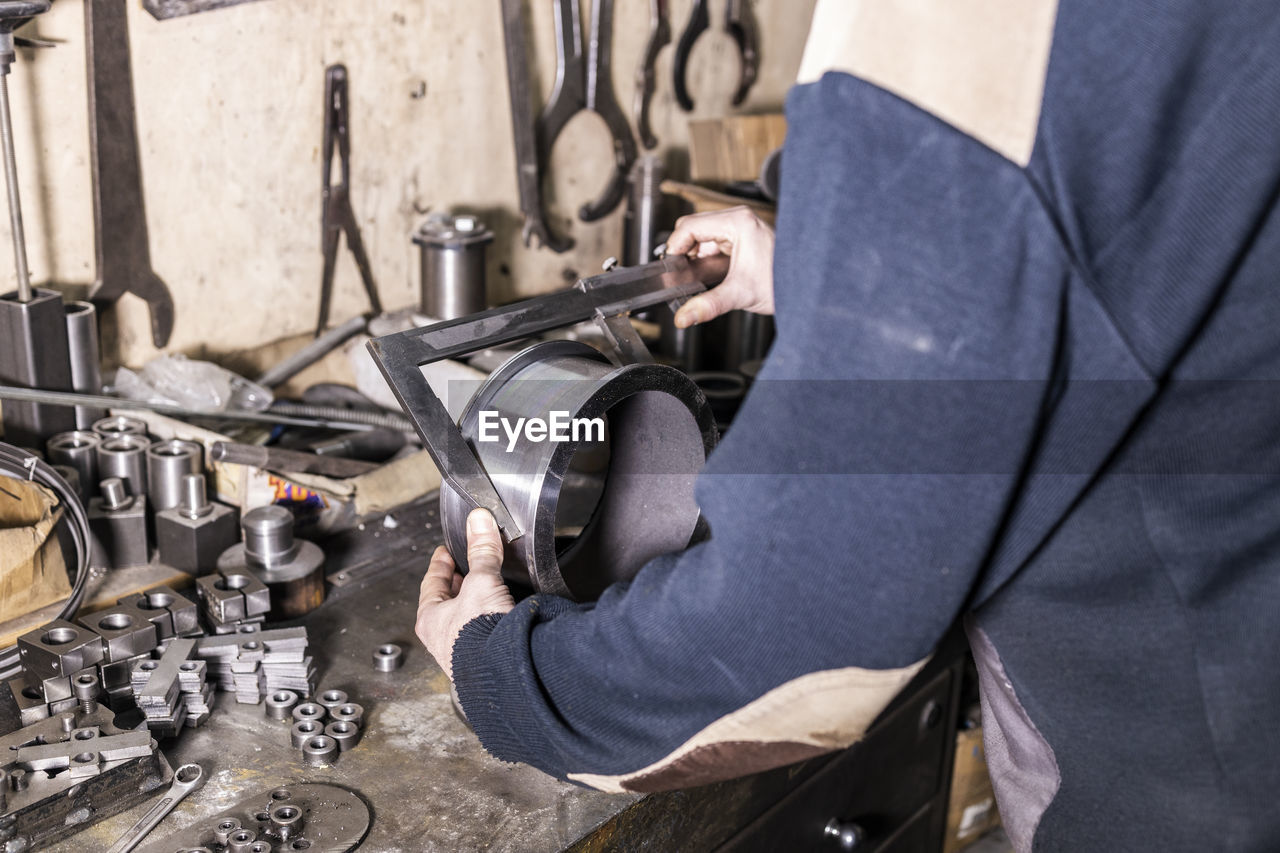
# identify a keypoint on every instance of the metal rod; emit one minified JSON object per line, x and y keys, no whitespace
{"x":312,"y":352}
{"x":68,"y":398}
{"x":280,"y":459}
{"x":15,"y":203}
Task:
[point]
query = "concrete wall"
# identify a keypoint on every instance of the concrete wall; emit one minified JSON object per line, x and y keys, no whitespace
{"x":229,"y":118}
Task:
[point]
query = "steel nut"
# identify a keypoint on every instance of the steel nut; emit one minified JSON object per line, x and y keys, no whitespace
{"x":125,"y":632}
{"x":348,"y":713}
{"x":387,"y":657}
{"x":303,"y":730}
{"x":279,"y":705}
{"x":59,"y":648}
{"x":310,"y":711}
{"x":346,"y":734}
{"x":319,"y":751}
{"x":331,"y":699}
{"x":222,"y":829}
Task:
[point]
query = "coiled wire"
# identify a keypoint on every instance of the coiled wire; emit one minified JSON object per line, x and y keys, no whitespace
{"x":23,"y":465}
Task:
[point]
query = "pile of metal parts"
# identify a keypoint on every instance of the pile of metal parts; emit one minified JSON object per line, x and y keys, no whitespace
{"x":172,"y":691}
{"x":259,"y":664}
{"x":296,"y":817}
{"x":322,"y":729}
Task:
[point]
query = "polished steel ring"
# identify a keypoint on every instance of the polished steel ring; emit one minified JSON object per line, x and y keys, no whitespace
{"x":660,"y":430}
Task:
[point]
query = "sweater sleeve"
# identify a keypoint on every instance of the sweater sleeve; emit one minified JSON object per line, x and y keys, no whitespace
{"x":927,"y":316}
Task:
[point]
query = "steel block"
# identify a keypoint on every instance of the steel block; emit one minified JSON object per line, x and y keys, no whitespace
{"x":59,"y":648}
{"x":193,"y":544}
{"x":56,"y":689}
{"x":31,"y":705}
{"x":125,"y":632}
{"x":121,"y":530}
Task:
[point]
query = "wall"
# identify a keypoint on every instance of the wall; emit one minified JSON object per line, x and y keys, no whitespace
{"x":229,"y":117}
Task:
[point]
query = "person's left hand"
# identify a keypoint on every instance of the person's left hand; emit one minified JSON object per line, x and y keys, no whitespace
{"x":447,"y":600}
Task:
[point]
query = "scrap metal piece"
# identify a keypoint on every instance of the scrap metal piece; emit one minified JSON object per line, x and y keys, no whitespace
{"x":114,"y":426}
{"x":125,"y":457}
{"x":309,"y":712}
{"x":85,"y":354}
{"x":331,"y":699}
{"x":279,"y":705}
{"x":59,"y":648}
{"x":349,"y":712}
{"x":293,"y":569}
{"x":77,"y":449}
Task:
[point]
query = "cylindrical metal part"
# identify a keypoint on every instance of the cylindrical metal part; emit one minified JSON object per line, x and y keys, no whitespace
{"x":85,"y":688}
{"x":302,"y":730}
{"x":320,"y":751}
{"x":223,"y":829}
{"x":387,"y":657}
{"x":241,"y":841}
{"x":115,"y":425}
{"x":658,"y":430}
{"x":644,"y":200}
{"x":309,"y":711}
{"x":125,"y":456}
{"x":286,"y":821}
{"x":19,"y":779}
{"x":115,"y":494}
{"x":195,"y":499}
{"x":452,"y":249}
{"x":724,"y":390}
{"x":279,"y":459}
{"x":77,"y":449}
{"x":86,"y":358}
{"x":374,"y":445}
{"x":15,"y":201}
{"x":348,"y":713}
{"x":331,"y":699}
{"x":280,"y":704}
{"x":346,"y":734}
{"x":268,"y":536}
{"x":33,"y":354}
{"x":167,"y":463}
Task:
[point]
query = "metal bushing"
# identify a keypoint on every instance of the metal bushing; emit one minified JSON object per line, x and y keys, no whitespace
{"x":77,"y":449}
{"x":279,"y":705}
{"x":331,"y":699}
{"x":222,"y":829}
{"x":311,"y":711}
{"x":302,"y":730}
{"x":387,"y":657}
{"x":348,"y":713}
{"x":241,"y":841}
{"x":293,"y":569}
{"x":639,"y":505}
{"x":117,"y":425}
{"x":286,"y":821}
{"x":125,"y":457}
{"x":345,"y":733}
{"x":453,"y":268}
{"x":319,"y":751}
{"x":167,"y":463}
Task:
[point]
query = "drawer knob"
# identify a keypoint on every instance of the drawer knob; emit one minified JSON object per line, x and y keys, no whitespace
{"x":848,"y":835}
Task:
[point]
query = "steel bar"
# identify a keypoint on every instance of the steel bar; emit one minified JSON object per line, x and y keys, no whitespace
{"x":279,"y":459}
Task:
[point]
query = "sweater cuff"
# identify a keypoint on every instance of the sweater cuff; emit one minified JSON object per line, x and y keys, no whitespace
{"x":472,"y":677}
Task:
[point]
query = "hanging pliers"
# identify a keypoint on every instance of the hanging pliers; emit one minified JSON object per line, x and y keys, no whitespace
{"x":337,"y":215}
{"x":740,"y":24}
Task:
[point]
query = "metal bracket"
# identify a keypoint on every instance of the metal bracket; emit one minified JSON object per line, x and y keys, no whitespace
{"x":606,"y":298}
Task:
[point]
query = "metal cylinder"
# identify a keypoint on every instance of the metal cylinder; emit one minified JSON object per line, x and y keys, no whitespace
{"x":659,"y":432}
{"x":77,"y":449}
{"x":452,"y":250}
{"x":286,"y":821}
{"x":167,"y":463}
{"x":33,"y":354}
{"x":387,"y":657}
{"x":114,"y":425}
{"x":279,"y":705}
{"x":644,"y":200}
{"x":268,"y":536}
{"x":115,"y":494}
{"x":309,"y":712}
{"x":195,"y":498}
{"x":349,"y":712}
{"x":125,"y":456}
{"x":346,"y":734}
{"x":292,"y":569}
{"x":331,"y":699}
{"x":86,"y":358}
{"x":319,"y":751}
{"x":304,"y":729}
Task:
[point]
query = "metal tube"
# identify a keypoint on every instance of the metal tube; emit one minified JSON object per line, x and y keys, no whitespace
{"x":115,"y":425}
{"x":277,"y":459}
{"x":125,"y":456}
{"x":641,"y":224}
{"x":167,"y":463}
{"x":312,"y":352}
{"x":15,"y":203}
{"x":453,"y":266}
{"x":86,"y":358}
{"x":79,"y":450}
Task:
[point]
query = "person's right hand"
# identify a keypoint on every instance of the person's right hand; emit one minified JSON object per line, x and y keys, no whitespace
{"x":738,"y":233}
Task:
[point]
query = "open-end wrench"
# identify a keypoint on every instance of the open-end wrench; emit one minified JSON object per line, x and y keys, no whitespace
{"x":185,"y":780}
{"x":740,"y":25}
{"x":119,"y":215}
{"x":699,"y":22}
{"x":587,"y":85}
{"x":528,"y":161}
{"x":659,"y":37}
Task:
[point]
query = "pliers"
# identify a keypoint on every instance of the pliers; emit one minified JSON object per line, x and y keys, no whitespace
{"x":337,"y":215}
{"x":587,"y":86}
{"x":740,"y":25}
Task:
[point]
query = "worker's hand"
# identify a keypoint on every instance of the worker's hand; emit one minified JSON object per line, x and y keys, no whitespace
{"x":447,"y":600}
{"x":748,"y":242}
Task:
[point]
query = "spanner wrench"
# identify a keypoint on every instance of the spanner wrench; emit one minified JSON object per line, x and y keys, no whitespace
{"x":185,"y":780}
{"x":659,"y":37}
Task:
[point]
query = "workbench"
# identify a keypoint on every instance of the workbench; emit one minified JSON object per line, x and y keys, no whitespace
{"x":432,"y":787}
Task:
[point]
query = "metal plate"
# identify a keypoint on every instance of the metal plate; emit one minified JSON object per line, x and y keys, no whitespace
{"x":334,"y":820}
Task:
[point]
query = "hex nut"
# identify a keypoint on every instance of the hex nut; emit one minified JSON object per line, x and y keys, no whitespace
{"x":331,"y":699}
{"x":303,"y":730}
{"x":388,"y":657}
{"x":280,"y":704}
{"x":346,"y":734}
{"x":320,"y":751}
{"x":348,"y":713}
{"x":310,"y":711}
{"x":59,"y":648}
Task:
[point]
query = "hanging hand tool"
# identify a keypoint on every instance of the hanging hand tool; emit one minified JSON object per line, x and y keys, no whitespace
{"x":119,"y":214}
{"x":587,"y":86}
{"x":659,"y":37}
{"x":337,"y":216}
{"x":740,"y":25}
{"x":528,"y":163}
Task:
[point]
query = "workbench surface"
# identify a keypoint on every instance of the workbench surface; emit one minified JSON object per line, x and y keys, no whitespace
{"x":429,"y":784}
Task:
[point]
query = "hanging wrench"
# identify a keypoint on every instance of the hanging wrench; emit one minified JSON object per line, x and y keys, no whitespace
{"x":659,"y":37}
{"x":185,"y":780}
{"x":740,"y":25}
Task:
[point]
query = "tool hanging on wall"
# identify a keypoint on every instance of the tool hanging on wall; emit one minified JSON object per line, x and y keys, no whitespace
{"x":338,"y":216}
{"x":119,"y":212}
{"x":659,"y":37}
{"x":528,"y":163}
{"x":740,"y":24}
{"x":587,"y":85}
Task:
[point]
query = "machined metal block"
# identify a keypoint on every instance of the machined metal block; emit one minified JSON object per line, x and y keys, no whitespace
{"x":59,"y":648}
{"x":115,"y":675}
{"x":221,"y":602}
{"x":120,"y":525}
{"x":193,"y":543}
{"x":125,"y":632}
{"x":56,"y":689}
{"x":32,"y":708}
{"x":33,"y":354}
